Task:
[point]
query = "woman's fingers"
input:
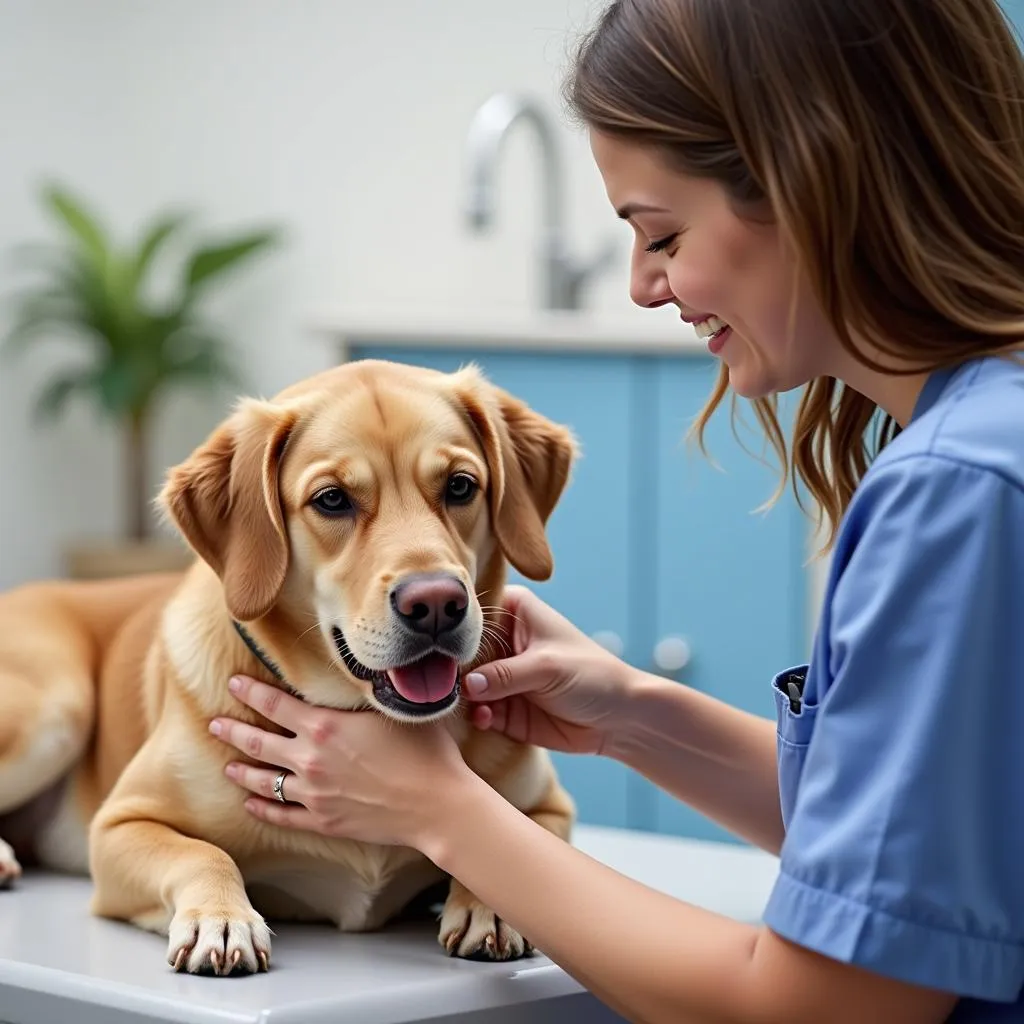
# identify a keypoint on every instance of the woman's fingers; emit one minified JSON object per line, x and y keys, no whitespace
{"x":259,"y":745}
{"x":508,"y":676}
{"x":271,"y":701}
{"x":511,"y":717}
{"x":481,"y":716}
{"x":276,"y":813}
{"x":274,"y":704}
{"x":260,"y":781}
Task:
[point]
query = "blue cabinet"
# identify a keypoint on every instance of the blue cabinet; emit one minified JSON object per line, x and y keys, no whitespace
{"x":728,"y":578}
{"x":651,"y":541}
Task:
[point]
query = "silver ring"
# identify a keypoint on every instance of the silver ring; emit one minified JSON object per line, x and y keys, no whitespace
{"x":279,"y":787}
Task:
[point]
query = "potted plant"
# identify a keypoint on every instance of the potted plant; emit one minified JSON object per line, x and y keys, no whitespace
{"x":136,"y":347}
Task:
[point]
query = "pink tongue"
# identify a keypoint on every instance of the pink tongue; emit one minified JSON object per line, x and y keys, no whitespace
{"x":425,"y":681}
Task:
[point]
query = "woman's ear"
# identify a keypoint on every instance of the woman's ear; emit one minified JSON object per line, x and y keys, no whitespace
{"x":530,"y":458}
{"x":224,"y":500}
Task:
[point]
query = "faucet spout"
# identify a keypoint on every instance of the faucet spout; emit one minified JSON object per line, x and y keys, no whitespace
{"x":487,"y":131}
{"x":562,"y":279}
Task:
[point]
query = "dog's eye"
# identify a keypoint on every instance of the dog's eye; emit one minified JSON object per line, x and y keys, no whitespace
{"x":332,"y":501}
{"x":461,"y":488}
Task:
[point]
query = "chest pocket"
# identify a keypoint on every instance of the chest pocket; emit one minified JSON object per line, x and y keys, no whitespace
{"x":795,"y":718}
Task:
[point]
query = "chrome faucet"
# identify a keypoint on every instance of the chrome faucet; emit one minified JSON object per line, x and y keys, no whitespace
{"x":562,"y":277}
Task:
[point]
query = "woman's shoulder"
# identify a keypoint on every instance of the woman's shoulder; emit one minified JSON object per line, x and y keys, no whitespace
{"x":973,"y":417}
{"x":956,"y":471}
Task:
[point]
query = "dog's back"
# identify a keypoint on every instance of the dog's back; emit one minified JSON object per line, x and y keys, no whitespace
{"x":71,"y":657}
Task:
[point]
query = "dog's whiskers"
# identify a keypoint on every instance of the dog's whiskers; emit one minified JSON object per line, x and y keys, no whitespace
{"x":306,"y":632}
{"x":491,"y":641}
{"x":499,"y":610}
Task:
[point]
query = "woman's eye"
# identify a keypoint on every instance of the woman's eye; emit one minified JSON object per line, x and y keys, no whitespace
{"x":461,"y":489}
{"x":332,"y":501}
{"x":660,"y":244}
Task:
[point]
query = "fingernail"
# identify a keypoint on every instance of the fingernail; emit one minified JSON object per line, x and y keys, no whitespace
{"x":234,"y":684}
{"x":476,"y":683}
{"x":231,"y":769}
{"x":216,"y":727}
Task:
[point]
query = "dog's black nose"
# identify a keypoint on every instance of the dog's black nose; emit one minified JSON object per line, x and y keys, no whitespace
{"x":430,"y":604}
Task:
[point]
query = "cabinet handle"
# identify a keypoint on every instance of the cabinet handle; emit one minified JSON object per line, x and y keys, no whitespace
{"x":671,"y":655}
{"x":610,"y":641}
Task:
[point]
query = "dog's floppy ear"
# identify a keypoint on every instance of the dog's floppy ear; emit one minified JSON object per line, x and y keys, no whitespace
{"x":530,"y":458}
{"x":224,"y":499}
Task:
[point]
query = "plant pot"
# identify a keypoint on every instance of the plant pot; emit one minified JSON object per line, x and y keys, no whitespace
{"x":94,"y":560}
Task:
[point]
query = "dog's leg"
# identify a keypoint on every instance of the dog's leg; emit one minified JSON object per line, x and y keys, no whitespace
{"x":187,"y":889}
{"x":471,"y":930}
{"x":47,"y":698}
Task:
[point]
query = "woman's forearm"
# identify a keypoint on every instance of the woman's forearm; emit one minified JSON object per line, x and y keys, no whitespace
{"x":718,"y":759}
{"x":650,"y":957}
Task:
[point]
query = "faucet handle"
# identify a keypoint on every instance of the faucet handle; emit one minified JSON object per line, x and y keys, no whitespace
{"x":567,"y":276}
{"x":601,"y":261}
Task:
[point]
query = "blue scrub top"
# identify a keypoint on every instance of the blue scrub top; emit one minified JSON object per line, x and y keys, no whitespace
{"x":901,"y":763}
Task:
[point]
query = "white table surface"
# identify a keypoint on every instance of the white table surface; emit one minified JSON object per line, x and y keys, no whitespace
{"x":58,"y":963}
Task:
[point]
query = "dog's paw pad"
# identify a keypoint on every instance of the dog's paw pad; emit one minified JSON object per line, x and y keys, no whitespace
{"x":476,"y":933}
{"x":204,"y":942}
{"x":10,"y":869}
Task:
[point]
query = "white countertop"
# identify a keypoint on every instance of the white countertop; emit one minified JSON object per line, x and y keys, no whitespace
{"x":58,"y":963}
{"x":648,"y":332}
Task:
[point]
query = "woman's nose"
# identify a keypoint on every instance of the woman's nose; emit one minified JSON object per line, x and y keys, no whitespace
{"x":648,"y":282}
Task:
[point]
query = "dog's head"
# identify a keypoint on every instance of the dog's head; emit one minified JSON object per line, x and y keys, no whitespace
{"x":357,"y":520}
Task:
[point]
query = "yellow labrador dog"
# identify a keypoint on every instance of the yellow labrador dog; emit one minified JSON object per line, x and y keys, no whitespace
{"x":347,"y":532}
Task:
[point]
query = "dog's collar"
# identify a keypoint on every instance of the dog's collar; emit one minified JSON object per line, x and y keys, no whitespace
{"x":263,"y":658}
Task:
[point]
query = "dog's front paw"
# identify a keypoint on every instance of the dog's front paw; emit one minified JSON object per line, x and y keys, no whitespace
{"x":470,"y":931}
{"x":10,"y":869}
{"x":220,"y":942}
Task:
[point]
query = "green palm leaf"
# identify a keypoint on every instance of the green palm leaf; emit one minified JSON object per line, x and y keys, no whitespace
{"x":152,"y":241}
{"x":73,"y":215}
{"x":137,"y":347}
{"x":216,"y":259}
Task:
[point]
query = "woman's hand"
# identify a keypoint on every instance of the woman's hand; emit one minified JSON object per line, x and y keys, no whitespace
{"x":348,"y":773}
{"x":559,"y":689}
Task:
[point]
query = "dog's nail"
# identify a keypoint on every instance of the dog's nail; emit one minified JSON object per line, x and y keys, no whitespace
{"x":216,"y":728}
{"x":476,"y":683}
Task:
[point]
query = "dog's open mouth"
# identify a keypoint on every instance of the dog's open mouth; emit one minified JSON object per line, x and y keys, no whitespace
{"x":424,"y":687}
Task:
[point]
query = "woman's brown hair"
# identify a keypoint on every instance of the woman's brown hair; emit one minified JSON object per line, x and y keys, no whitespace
{"x":885,"y":137}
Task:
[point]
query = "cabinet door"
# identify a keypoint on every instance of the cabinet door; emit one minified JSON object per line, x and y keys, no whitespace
{"x":591,"y":528}
{"x":728,"y":580}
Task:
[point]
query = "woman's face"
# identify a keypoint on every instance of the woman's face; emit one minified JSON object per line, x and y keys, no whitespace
{"x":729,"y":276}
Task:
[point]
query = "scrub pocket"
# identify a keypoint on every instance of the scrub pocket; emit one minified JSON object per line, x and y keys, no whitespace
{"x":795,"y":725}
